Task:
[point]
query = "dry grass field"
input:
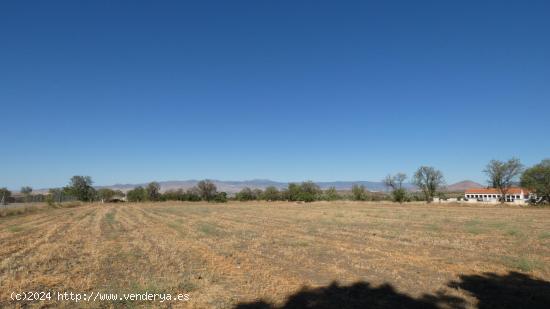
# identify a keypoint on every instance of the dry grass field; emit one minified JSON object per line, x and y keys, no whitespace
{"x":261,"y":255}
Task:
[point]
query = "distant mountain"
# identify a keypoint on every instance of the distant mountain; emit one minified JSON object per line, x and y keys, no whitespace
{"x":236,"y":186}
{"x":464,"y":185}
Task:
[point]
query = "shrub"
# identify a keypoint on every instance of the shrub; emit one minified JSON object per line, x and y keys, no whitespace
{"x":246,"y":194}
{"x":221,"y":197}
{"x":359,"y":192}
{"x":399,"y":195}
{"x":331,"y":194}
{"x":193,"y":194}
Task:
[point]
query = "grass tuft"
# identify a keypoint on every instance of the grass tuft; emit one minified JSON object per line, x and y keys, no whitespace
{"x":473,"y":227}
{"x":15,"y":228}
{"x":544,"y":235}
{"x":514,"y":232}
{"x":210,"y":229}
{"x":522,"y":263}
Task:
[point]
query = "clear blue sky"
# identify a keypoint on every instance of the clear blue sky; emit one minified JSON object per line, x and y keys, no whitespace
{"x":134,"y":91}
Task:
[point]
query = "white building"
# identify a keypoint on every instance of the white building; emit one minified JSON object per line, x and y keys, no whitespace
{"x":491,"y":195}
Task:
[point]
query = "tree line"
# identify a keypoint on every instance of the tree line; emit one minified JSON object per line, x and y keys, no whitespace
{"x":502,"y":175}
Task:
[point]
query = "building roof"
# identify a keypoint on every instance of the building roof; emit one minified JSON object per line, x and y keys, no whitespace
{"x":496,"y":191}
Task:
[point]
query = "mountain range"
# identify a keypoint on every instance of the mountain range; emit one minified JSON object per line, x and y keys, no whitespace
{"x":236,"y":186}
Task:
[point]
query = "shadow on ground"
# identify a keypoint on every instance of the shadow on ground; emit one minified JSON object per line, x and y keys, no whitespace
{"x":514,"y":290}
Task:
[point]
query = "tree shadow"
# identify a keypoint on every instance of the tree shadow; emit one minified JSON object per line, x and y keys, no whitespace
{"x":357,"y":295}
{"x":514,"y":290}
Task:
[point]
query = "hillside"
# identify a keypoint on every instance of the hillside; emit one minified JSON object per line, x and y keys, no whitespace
{"x":464,"y":185}
{"x":235,"y":186}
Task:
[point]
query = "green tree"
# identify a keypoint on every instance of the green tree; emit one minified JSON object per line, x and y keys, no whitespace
{"x":81,"y":188}
{"x":174,"y":195}
{"x":395,"y":183}
{"x":138,"y":194}
{"x":537,"y":179}
{"x":105,"y":194}
{"x":309,"y":191}
{"x":220,"y":197}
{"x":358,"y":192}
{"x":5,"y":195}
{"x":246,"y":194}
{"x":429,"y":180}
{"x":271,"y":193}
{"x":293,"y":192}
{"x":207,"y":190}
{"x":26,"y":191}
{"x":153,"y":191}
{"x":502,"y":175}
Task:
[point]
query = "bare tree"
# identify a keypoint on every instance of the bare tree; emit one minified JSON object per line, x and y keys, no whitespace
{"x":429,"y":180}
{"x":395,"y":182}
{"x":207,"y":190}
{"x":153,"y":191}
{"x":502,"y":175}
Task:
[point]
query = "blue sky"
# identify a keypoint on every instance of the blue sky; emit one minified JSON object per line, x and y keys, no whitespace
{"x":134,"y":91}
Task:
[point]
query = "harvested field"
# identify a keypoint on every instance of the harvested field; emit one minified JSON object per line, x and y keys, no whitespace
{"x":262,"y":254}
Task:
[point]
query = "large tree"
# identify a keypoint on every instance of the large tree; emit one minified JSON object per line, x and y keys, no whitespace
{"x":429,"y":180}
{"x":502,"y":175}
{"x":207,"y":189}
{"x":246,"y":194}
{"x":81,"y":188}
{"x":138,"y":194}
{"x":395,"y":183}
{"x":271,"y":193}
{"x":293,"y":192}
{"x":105,"y":194}
{"x":309,"y":191}
{"x":153,"y":191}
{"x":537,"y":178}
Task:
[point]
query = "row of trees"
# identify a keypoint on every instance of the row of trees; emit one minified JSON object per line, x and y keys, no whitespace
{"x":205,"y":190}
{"x":309,"y":192}
{"x":502,"y":175}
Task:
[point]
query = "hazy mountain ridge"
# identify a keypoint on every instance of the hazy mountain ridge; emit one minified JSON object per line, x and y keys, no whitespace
{"x":464,"y":185}
{"x":232,"y":186}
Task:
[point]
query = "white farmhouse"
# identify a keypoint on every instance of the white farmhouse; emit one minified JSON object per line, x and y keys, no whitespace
{"x":491,"y":195}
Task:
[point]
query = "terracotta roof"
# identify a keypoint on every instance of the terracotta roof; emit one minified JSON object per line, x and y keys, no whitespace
{"x":495,"y":191}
